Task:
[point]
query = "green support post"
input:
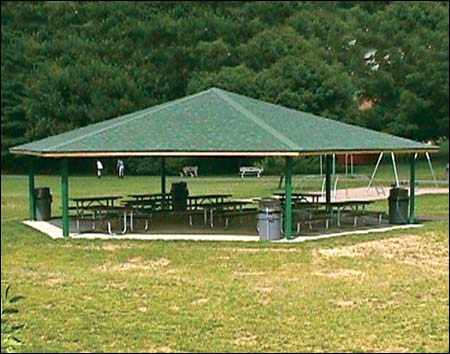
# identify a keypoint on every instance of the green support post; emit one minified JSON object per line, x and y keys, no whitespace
{"x":163,"y":180}
{"x":65,"y":196}
{"x":412,"y":189}
{"x":163,"y":175}
{"x":31,"y":195}
{"x":328,"y":172}
{"x":288,"y":199}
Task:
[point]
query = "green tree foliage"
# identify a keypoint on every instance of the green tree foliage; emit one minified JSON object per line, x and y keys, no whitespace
{"x":69,"y":64}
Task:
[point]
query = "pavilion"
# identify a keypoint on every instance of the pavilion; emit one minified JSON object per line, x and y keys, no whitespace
{"x":218,"y":123}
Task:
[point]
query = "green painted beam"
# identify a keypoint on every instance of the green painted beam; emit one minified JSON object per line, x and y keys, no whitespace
{"x":288,"y":199}
{"x":31,"y":195}
{"x":328,"y":172}
{"x":65,"y":196}
{"x":412,"y":189}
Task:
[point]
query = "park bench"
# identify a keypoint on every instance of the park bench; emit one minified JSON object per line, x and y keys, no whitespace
{"x":250,"y":170}
{"x":191,"y":171}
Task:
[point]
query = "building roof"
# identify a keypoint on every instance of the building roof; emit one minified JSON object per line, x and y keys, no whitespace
{"x":217,"y":123}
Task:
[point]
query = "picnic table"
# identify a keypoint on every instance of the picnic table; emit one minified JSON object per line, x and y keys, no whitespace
{"x":302,"y":197}
{"x":356,"y":206}
{"x":94,"y":204}
{"x":221,"y":207}
{"x":149,"y":199}
{"x":196,"y":201}
{"x":110,"y":213}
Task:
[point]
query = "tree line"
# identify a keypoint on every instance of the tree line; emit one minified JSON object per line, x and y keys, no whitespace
{"x":378,"y":64}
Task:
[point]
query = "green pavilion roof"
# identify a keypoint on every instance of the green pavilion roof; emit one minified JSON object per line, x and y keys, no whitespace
{"x":217,"y":123}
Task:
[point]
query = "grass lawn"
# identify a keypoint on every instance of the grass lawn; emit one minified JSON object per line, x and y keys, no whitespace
{"x":381,"y":292}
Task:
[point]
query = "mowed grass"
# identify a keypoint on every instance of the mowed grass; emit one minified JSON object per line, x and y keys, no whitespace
{"x":381,"y":292}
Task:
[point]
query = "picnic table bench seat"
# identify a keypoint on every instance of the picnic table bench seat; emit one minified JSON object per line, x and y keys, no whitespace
{"x":194,"y":212}
{"x":231,"y":214}
{"x":325,"y":219}
{"x":364,"y":216}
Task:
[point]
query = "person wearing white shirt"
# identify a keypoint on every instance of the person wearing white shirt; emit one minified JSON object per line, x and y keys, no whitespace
{"x":99,"y":168}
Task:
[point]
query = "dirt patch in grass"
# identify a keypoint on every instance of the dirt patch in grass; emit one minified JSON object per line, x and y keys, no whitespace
{"x":53,"y":278}
{"x":342,"y":273}
{"x":163,"y":349}
{"x":110,"y":247}
{"x":410,"y":249}
{"x":256,"y":250}
{"x":246,"y":340}
{"x":247,"y":273}
{"x":373,"y":303}
{"x":135,"y":263}
{"x":346,"y":303}
{"x":200,"y":301}
{"x":264,"y":290}
{"x":47,"y":278}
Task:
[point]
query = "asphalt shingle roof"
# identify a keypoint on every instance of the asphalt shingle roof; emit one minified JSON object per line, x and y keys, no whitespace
{"x":217,"y":122}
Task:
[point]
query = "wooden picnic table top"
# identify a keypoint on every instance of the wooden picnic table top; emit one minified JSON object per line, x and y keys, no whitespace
{"x":209,"y":196}
{"x":149,"y":195}
{"x":300,"y":194}
{"x":108,"y":207}
{"x":226,"y":204}
{"x":349,"y":202}
{"x":169,"y":195}
{"x":96,"y":198}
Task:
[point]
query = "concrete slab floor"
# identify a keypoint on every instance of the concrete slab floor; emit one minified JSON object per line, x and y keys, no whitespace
{"x":55,"y":232}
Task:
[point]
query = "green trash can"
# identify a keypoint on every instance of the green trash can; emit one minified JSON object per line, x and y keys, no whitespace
{"x":398,"y":206}
{"x":179,"y":194}
{"x":43,"y":203}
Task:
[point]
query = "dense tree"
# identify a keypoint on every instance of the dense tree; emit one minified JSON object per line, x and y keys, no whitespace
{"x":69,"y":64}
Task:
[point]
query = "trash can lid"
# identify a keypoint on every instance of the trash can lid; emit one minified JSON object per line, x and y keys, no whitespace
{"x":41,"y":192}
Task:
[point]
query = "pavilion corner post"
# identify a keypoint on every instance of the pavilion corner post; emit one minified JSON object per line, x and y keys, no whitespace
{"x":288,"y":199}
{"x":328,"y":172}
{"x":31,"y":194}
{"x":163,"y":175}
{"x":65,"y":196}
{"x":412,"y":189}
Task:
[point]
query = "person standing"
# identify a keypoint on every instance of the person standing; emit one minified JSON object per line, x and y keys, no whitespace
{"x":120,"y":168}
{"x":99,"y":168}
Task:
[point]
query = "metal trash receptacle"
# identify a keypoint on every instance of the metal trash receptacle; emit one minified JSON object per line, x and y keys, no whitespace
{"x":179,"y":194}
{"x":43,"y":203}
{"x":269,"y":219}
{"x":398,"y":206}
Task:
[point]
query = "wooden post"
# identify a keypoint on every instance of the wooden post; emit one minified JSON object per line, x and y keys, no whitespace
{"x":288,"y":199}
{"x":412,"y":189}
{"x":65,"y":196}
{"x":31,"y":196}
{"x":328,"y":172}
